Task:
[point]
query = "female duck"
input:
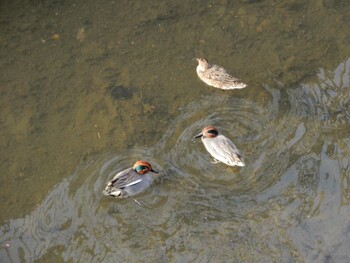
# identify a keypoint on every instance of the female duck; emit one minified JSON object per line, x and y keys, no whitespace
{"x":220,"y":147}
{"x":216,"y":76}
{"x":131,"y":181}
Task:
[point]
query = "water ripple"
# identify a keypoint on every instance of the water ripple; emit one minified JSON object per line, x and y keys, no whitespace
{"x":287,"y":200}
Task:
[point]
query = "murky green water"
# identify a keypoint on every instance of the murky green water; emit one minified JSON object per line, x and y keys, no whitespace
{"x":89,"y":87}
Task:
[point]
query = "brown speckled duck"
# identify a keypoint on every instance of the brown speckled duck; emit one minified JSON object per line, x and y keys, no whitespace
{"x":216,"y":76}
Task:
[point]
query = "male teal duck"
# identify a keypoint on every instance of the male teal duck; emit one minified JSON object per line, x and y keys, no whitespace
{"x":131,"y":181}
{"x":220,"y":147}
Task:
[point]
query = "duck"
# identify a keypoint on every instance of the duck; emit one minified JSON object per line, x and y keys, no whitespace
{"x":131,"y":181}
{"x":216,"y":76}
{"x":220,"y":147}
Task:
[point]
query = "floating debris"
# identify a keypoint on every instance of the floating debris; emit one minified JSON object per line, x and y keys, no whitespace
{"x":56,"y":37}
{"x":81,"y":34}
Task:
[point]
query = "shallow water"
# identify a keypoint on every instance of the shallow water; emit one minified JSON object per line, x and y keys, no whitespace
{"x":88,"y":88}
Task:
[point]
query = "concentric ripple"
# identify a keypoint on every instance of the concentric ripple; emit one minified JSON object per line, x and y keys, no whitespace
{"x":76,"y":215}
{"x":252,"y":127}
{"x":289,"y":203}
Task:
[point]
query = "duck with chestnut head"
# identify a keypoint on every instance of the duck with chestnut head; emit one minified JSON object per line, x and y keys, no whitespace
{"x":220,"y":147}
{"x":131,"y":181}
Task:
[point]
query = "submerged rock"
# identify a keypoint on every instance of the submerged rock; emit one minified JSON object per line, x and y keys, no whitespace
{"x":120,"y":92}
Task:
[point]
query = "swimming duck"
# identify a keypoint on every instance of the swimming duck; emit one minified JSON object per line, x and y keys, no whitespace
{"x":131,"y":181}
{"x":220,"y":147}
{"x":216,"y":76}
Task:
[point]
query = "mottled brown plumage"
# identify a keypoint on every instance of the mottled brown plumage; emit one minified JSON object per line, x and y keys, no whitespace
{"x":216,"y":76}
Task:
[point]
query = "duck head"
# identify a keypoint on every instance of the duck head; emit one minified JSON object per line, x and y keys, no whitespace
{"x":143,"y":167}
{"x":203,"y":64}
{"x":208,"y":132}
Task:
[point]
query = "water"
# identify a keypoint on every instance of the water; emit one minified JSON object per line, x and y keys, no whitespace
{"x":88,"y":88}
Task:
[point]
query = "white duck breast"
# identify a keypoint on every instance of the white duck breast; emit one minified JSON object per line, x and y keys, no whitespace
{"x":223,"y":149}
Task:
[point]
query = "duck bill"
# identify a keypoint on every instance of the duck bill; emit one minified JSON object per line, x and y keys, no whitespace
{"x":154,"y":171}
{"x":198,"y":135}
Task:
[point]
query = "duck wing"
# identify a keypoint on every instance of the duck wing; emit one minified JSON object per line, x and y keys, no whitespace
{"x":219,"y":73}
{"x":231,"y":153}
{"x":125,"y":178}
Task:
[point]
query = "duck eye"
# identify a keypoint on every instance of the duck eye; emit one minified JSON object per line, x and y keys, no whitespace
{"x":215,"y":132}
{"x":140,"y":168}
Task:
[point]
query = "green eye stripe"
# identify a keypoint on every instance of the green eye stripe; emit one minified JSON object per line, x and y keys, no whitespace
{"x":141,"y":168}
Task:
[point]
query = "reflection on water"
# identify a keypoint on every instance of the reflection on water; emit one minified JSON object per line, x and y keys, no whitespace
{"x":289,"y":204}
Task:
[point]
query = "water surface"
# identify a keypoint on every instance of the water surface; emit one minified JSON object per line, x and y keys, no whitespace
{"x":88,"y":88}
